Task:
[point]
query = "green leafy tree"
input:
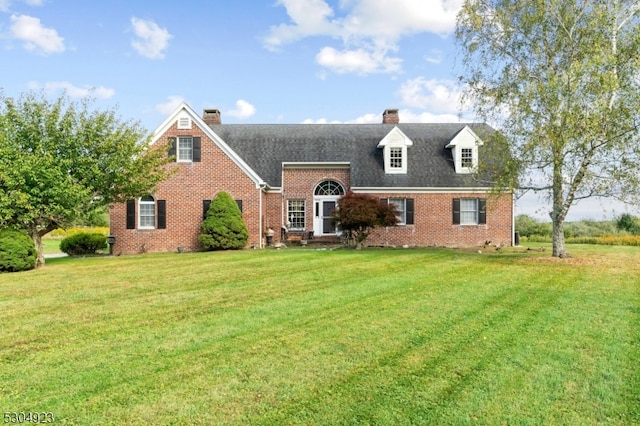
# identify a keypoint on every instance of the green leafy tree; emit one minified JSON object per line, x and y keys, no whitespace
{"x":560,"y":79}
{"x":358,"y":215}
{"x":223,"y":227}
{"x":628,"y":223}
{"x":60,"y":161}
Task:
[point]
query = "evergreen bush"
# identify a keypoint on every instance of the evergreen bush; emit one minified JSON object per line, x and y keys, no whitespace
{"x":83,"y":243}
{"x":223,"y":227}
{"x":17,"y":251}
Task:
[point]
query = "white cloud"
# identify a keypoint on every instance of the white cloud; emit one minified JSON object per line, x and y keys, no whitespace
{"x":434,"y":57}
{"x":169,"y":106}
{"x":369,"y":29}
{"x":442,"y":96}
{"x":310,"y":18}
{"x":36,"y":37}
{"x":73,"y":91}
{"x":243,"y":109}
{"x":151,"y":41}
{"x":319,"y":121}
{"x":357,"y":61}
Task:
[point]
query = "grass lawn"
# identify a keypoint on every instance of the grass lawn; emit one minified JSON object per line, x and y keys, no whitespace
{"x":384,"y":337}
{"x":51,"y":245}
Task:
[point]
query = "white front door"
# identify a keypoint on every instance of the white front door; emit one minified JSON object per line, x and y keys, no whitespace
{"x":323,"y":221}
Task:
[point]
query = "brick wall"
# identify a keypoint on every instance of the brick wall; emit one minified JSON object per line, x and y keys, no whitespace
{"x":433,"y":222}
{"x":184,"y":193}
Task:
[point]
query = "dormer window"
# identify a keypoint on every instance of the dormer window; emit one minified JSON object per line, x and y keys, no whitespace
{"x":395,"y":158}
{"x":395,"y":145}
{"x":464,"y":150}
{"x":466,"y":158}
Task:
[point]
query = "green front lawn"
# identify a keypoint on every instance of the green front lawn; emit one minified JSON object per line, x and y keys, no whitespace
{"x":385,"y":337}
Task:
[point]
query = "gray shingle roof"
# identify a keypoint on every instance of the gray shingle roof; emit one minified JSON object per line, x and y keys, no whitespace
{"x":264,"y":147}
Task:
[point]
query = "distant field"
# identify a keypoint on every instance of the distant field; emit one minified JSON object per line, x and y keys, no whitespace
{"x":299,"y":336}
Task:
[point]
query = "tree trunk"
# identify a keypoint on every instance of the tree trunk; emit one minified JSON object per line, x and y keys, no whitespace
{"x":559,"y":248}
{"x":37,"y":240}
{"x":559,"y":212}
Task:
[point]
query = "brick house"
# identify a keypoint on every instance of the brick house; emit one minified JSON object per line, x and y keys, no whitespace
{"x":290,"y":176}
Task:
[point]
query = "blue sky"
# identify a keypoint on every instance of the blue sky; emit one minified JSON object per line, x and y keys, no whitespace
{"x":258,"y":61}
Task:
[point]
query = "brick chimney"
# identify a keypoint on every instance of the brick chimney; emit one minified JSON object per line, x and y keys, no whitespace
{"x":211,"y":116}
{"x":390,"y":116}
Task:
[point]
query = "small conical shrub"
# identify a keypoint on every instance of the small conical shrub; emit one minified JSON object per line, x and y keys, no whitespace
{"x":223,"y":228}
{"x":17,"y":251}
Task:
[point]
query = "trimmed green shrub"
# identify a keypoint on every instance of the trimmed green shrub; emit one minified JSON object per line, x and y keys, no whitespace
{"x":223,"y":227}
{"x":83,"y":243}
{"x":17,"y":251}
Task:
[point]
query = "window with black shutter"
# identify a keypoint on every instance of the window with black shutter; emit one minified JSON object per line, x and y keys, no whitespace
{"x":131,"y":214}
{"x":161,"y":206}
{"x":469,"y":211}
{"x":482,"y":211}
{"x":456,"y":211}
{"x":197,"y":149}
{"x":205,"y":208}
{"x":172,"y":147}
{"x":408,"y":216}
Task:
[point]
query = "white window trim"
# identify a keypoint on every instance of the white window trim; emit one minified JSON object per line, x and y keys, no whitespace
{"x":178,"y":157}
{"x":147,"y":203}
{"x":303,"y":211}
{"x":401,"y":205}
{"x":475,"y":211}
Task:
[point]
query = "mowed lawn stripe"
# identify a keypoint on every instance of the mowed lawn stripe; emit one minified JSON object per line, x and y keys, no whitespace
{"x":379,"y":336}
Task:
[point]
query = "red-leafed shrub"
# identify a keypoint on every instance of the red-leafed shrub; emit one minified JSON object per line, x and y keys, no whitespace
{"x":358,"y":214}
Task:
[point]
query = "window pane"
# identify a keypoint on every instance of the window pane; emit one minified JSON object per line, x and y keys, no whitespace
{"x":399,"y":204}
{"x":147,"y":214}
{"x":395,"y":157}
{"x":466,"y":157}
{"x":296,"y":214}
{"x":469,"y":211}
{"x":329,"y":187}
{"x":185,"y":149}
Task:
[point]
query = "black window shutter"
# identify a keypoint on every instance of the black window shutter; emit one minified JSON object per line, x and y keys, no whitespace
{"x":239,"y":203}
{"x":408,"y":214}
{"x":131,"y":214}
{"x":482,"y":211}
{"x":456,"y":211}
{"x":384,"y":201}
{"x":205,"y":208}
{"x":197,"y":149}
{"x":172,"y":147}
{"x":162,"y":214}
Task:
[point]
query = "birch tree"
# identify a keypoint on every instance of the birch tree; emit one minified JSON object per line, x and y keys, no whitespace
{"x":561,"y":81}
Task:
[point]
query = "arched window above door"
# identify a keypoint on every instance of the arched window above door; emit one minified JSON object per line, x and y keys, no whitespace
{"x":329,"y":188}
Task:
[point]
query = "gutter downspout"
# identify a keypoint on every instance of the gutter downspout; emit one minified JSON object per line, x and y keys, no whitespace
{"x":261,"y":187}
{"x":513,"y":220}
